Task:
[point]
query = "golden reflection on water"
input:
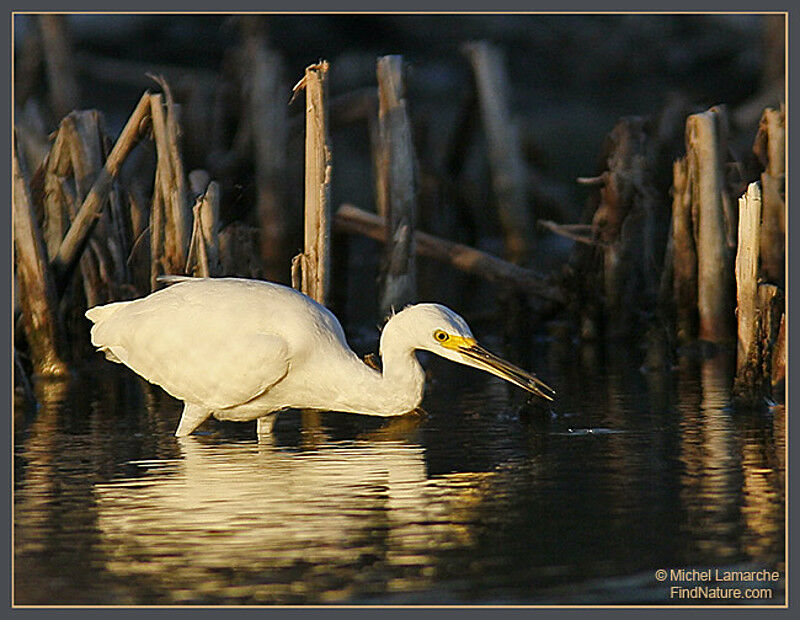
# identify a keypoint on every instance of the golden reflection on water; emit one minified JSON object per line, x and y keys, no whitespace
{"x":41,"y":451}
{"x":763,"y":478}
{"x":111,"y":508}
{"x":729,"y":468}
{"x":293,"y":525}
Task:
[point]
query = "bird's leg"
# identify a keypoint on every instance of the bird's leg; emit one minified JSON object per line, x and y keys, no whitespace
{"x":265,"y":423}
{"x":193,"y":416}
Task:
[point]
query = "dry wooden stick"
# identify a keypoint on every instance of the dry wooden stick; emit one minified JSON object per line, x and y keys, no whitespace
{"x":353,"y":220}
{"x":37,"y":290}
{"x":316,"y":262}
{"x":509,"y":177}
{"x":705,"y":144}
{"x":77,"y":235}
{"x":396,"y":178}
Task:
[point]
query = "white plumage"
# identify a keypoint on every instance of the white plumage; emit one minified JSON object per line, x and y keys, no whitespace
{"x":245,"y":349}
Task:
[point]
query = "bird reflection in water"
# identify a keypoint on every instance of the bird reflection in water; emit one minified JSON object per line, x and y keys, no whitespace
{"x":334,"y":522}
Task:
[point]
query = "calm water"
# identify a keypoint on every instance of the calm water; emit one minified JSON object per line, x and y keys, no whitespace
{"x":483,"y":500}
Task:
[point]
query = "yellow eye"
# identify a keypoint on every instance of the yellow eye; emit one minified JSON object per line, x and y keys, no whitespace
{"x":440,"y":335}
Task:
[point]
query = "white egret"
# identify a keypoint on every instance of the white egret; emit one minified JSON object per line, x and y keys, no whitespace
{"x":245,"y":349}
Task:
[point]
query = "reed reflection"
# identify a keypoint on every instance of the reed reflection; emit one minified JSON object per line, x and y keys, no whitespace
{"x":763,"y":472}
{"x":711,"y":482}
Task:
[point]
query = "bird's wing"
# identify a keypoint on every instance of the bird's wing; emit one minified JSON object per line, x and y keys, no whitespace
{"x":196,"y":357}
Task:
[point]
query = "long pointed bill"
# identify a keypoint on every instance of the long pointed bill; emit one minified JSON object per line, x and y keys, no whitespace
{"x":485,"y":360}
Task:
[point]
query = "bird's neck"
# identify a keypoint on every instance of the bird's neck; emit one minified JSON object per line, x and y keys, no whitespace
{"x":403,"y":378}
{"x":396,"y":390}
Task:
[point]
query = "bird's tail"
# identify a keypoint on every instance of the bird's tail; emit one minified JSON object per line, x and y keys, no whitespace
{"x":99,"y":315}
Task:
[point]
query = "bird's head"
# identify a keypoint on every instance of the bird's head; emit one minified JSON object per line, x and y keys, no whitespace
{"x":435,"y":328}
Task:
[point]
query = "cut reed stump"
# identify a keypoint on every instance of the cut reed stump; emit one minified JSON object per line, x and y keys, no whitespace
{"x":759,"y":308}
{"x":508,"y":172}
{"x":311,"y":269}
{"x":714,"y":224}
{"x":38,"y":296}
{"x":770,"y":148}
{"x":749,"y":379}
{"x":350,"y":219}
{"x":397,"y":190}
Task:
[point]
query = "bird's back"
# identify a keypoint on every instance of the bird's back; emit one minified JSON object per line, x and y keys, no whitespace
{"x":217,"y":342}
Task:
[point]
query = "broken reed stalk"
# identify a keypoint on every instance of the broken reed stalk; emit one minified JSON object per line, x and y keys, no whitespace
{"x":684,"y":254}
{"x":209,"y":222}
{"x":706,"y":146}
{"x":770,"y":147}
{"x":350,"y":219}
{"x":747,"y":353}
{"x":180,"y":202}
{"x":197,"y":257}
{"x":172,"y":185}
{"x":57,"y":194}
{"x":509,"y":177}
{"x":75,"y":240}
{"x":37,"y":290}
{"x":396,"y":178}
{"x":315,"y":264}
{"x":204,"y":245}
